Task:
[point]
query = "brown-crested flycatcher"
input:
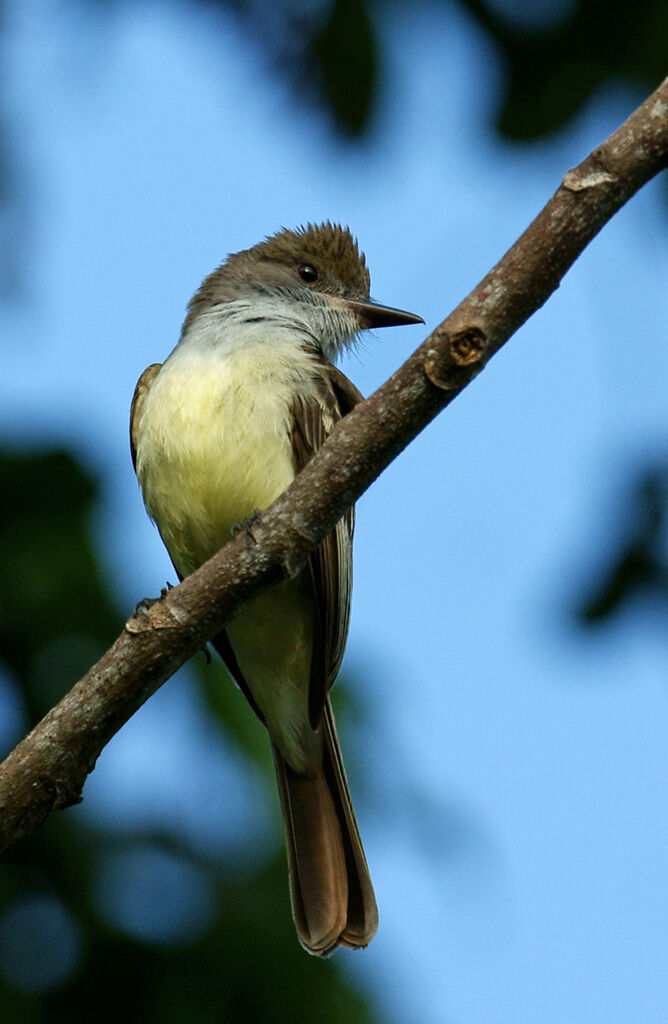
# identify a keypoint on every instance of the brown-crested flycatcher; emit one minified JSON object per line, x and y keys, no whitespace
{"x":218,"y":431}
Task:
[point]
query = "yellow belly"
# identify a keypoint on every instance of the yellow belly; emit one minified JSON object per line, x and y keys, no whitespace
{"x":210,"y":453}
{"x":214,"y":445}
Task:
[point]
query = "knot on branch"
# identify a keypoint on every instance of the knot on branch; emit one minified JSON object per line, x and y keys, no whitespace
{"x":62,"y":792}
{"x":468,"y":346}
{"x":591,"y":173}
{"x":456,"y":358}
{"x":154,"y":614}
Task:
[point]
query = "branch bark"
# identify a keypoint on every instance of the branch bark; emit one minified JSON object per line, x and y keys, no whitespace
{"x":47,"y":770}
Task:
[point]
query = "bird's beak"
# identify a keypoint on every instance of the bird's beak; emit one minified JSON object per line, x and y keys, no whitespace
{"x":373,"y":314}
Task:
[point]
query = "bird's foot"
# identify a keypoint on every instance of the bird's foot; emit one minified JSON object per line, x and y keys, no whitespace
{"x":247,"y":525}
{"x":148,"y":602}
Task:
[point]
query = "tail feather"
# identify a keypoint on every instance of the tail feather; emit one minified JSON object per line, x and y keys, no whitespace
{"x":332,"y":896}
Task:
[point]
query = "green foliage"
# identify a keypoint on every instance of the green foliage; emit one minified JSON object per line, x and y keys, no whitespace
{"x":553,"y":69}
{"x":55,"y":612}
{"x":65,"y":954}
{"x":554,"y":61}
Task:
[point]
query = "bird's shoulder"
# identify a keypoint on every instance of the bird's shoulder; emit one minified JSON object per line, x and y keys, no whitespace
{"x":142,"y":389}
{"x":316,"y":411}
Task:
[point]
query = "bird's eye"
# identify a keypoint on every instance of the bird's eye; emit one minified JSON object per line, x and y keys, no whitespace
{"x":308,"y":273}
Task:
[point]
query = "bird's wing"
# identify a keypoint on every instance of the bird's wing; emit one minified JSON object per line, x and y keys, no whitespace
{"x":142,"y":389}
{"x":331,"y":562}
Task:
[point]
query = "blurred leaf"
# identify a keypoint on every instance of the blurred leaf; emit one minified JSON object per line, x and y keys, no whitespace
{"x":637,"y":567}
{"x":553,"y":70}
{"x":345,"y":52}
{"x":55,"y":615}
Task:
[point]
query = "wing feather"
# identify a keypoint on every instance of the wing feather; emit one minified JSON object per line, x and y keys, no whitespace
{"x":331,"y":563}
{"x":142,"y":389}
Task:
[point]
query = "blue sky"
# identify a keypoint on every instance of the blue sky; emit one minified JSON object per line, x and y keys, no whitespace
{"x":151,"y":146}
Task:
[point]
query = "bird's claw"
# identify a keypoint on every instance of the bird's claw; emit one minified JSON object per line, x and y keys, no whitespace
{"x":246,"y":525}
{"x":148,"y":602}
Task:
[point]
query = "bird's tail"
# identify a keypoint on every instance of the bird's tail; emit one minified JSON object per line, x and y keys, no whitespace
{"x":333,"y":903}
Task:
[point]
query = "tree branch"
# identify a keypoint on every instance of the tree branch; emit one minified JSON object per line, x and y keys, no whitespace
{"x":47,"y":770}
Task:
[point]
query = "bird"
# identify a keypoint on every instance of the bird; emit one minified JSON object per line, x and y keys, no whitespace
{"x":218,"y":431}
